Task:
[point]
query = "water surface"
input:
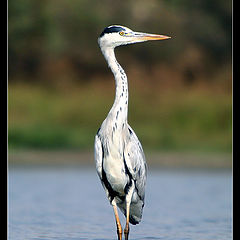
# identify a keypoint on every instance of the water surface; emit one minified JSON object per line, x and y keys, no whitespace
{"x":70,"y":204}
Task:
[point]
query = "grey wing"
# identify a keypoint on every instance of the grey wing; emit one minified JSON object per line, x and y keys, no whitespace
{"x":136,"y":163}
{"x":98,"y":155}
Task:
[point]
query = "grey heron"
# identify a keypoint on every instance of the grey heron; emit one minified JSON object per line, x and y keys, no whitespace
{"x":119,"y":157}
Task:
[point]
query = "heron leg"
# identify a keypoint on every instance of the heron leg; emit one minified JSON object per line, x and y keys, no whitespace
{"x":119,"y":227}
{"x":126,"y":229}
{"x":128,"y":202}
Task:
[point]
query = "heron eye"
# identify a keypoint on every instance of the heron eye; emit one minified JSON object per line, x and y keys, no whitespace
{"x":121,"y":33}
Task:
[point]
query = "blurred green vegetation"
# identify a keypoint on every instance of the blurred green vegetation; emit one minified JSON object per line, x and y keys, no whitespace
{"x":60,"y":88}
{"x":69,"y":118}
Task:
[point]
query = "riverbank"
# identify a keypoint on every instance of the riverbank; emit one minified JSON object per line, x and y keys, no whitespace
{"x":154,"y":159}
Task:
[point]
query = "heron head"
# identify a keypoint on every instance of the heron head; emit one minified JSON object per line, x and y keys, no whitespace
{"x":116,"y":35}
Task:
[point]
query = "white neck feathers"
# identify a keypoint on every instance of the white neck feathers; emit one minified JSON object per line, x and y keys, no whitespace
{"x":119,"y":109}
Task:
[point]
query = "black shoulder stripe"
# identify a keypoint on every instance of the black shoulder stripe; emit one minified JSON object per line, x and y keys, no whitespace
{"x":98,"y":130}
{"x":112,"y":193}
{"x":130,"y":131}
{"x":129,"y":183}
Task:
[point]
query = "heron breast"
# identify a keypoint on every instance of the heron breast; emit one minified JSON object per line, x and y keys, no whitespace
{"x":115,"y":173}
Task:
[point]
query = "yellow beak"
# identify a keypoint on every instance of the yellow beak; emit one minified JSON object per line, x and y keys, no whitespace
{"x":155,"y":37}
{"x":147,"y":36}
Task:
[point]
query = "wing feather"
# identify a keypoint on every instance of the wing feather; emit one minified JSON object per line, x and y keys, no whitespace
{"x":98,"y":155}
{"x":136,"y":163}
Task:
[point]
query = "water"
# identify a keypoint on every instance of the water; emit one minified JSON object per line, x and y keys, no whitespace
{"x":70,"y":204}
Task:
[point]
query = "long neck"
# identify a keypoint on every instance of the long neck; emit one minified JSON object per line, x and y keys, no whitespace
{"x":119,"y":109}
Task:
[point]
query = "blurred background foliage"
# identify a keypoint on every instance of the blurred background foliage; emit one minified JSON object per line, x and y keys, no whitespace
{"x":60,"y":88}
